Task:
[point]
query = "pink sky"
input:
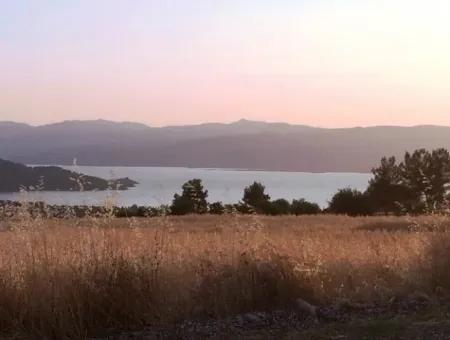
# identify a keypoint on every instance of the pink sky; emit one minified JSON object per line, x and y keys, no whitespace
{"x":320,"y":63}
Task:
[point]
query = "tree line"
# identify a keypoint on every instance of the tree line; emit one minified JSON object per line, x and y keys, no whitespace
{"x":192,"y":200}
{"x":418,"y":184}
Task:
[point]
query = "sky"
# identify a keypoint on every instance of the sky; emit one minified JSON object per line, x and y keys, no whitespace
{"x":163,"y":62}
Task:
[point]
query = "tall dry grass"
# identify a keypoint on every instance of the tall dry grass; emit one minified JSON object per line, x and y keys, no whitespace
{"x":70,"y":279}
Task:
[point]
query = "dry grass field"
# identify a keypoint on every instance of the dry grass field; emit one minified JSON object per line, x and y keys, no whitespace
{"x":76,"y":278}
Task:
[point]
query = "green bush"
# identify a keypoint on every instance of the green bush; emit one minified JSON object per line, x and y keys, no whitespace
{"x":216,"y":208}
{"x":303,"y":207}
{"x":350,"y":202}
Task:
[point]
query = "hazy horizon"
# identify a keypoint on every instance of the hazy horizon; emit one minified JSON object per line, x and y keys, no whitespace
{"x":317,"y":63}
{"x":217,"y":122}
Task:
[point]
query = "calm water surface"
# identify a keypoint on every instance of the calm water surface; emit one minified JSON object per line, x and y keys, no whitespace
{"x":157,"y":185}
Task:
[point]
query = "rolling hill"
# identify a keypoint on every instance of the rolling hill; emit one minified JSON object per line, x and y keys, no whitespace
{"x":243,"y":144}
{"x":14,"y":177}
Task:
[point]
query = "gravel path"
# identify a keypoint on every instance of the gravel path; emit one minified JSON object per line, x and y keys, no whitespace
{"x":413,"y":318}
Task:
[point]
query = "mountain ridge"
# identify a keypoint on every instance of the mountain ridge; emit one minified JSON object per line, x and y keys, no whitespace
{"x":243,"y":144}
{"x":237,"y":122}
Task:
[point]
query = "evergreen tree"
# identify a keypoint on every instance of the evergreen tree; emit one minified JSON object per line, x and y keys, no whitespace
{"x":255,"y":196}
{"x":387,"y":191}
{"x":192,"y":199}
{"x":427,"y":176}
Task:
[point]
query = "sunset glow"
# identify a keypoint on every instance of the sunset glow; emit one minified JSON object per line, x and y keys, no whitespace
{"x":322,"y":63}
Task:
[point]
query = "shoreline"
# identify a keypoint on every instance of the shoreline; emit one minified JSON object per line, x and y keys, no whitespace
{"x":66,"y":166}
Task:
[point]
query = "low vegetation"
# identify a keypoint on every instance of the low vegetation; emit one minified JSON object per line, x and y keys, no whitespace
{"x":80,"y":277}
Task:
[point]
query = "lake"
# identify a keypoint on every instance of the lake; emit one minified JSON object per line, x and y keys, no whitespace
{"x":158,"y":184}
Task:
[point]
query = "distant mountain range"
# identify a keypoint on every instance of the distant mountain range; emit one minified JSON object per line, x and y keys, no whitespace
{"x":14,"y":176}
{"x":242,"y":145}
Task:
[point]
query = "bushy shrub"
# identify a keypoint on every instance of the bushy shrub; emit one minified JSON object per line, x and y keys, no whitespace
{"x":216,"y":208}
{"x":350,"y":202}
{"x":277,"y":207}
{"x":303,"y":207}
{"x":243,"y":208}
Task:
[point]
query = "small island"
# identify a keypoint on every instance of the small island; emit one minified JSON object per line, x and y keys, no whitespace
{"x":15,"y":177}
